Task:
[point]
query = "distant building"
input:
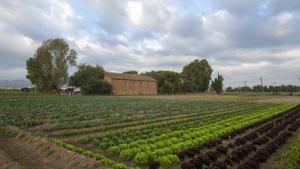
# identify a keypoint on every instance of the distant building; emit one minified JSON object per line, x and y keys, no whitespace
{"x":130,"y":84}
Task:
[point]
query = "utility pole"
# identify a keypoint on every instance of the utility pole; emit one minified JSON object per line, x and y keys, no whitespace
{"x":262,"y":86}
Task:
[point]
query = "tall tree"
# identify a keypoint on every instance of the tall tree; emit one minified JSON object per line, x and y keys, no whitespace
{"x":217,"y":84}
{"x":198,"y":73}
{"x":48,"y":68}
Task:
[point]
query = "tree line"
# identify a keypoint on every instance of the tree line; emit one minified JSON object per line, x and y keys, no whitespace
{"x":270,"y":89}
{"x":195,"y":77}
{"x":47,"y":70}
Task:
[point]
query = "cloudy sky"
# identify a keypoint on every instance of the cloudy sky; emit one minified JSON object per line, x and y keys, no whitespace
{"x":241,"y":39}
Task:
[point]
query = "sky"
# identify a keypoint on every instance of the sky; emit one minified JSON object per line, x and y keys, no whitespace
{"x":241,"y":39}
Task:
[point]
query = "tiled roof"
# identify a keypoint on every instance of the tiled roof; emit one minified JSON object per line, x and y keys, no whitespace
{"x":124,"y":76}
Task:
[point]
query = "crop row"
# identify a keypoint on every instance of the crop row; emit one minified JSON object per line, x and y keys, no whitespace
{"x":270,"y":134}
{"x":103,"y":160}
{"x":168,"y":122}
{"x":95,"y":122}
{"x":59,"y":112}
{"x":155,"y":129}
{"x":291,"y":159}
{"x":165,"y":145}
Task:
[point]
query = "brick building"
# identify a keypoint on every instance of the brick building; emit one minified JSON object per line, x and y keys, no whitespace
{"x":129,"y":84}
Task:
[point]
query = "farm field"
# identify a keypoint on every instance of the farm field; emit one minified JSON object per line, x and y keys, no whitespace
{"x":135,"y":132}
{"x":228,"y":97}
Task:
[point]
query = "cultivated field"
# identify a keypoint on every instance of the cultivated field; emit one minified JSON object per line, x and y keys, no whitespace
{"x":144,"y":132}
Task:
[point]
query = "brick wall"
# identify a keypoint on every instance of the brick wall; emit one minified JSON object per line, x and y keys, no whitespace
{"x":132,"y":87}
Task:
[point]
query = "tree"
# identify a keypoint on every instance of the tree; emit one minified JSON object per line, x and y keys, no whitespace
{"x":90,"y":80}
{"x":187,"y":86}
{"x":199,"y":74}
{"x":84,"y":73}
{"x":96,"y":86}
{"x":48,"y":68}
{"x":229,"y":89}
{"x":217,"y":84}
{"x":131,"y":72}
{"x":168,"y":82}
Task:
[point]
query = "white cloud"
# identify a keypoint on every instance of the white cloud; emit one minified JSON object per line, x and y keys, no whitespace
{"x":135,"y":11}
{"x":284,"y":17}
{"x":241,"y":39}
{"x":152,"y":44}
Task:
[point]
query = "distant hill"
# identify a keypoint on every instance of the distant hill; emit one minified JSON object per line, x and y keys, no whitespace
{"x":15,"y":83}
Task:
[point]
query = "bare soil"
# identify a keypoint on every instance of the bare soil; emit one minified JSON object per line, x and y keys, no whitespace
{"x":30,"y":152}
{"x":214,"y":97}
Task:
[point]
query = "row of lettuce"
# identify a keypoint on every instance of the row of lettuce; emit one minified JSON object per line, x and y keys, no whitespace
{"x":291,"y":158}
{"x":163,"y":147}
{"x":102,"y":159}
{"x":155,"y":122}
{"x":181,"y":123}
{"x":150,"y":109}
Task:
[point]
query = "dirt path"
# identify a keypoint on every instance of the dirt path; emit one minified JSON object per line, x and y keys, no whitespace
{"x":14,"y":157}
{"x":31,"y":152}
{"x":6,"y":160}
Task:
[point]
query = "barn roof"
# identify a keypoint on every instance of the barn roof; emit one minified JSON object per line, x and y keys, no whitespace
{"x":124,"y":76}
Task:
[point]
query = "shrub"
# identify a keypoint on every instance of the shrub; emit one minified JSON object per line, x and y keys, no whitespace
{"x":96,"y":86}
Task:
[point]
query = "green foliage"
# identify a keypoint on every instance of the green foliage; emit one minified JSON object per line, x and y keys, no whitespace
{"x":217,"y":84}
{"x":187,"y":86}
{"x":141,"y":158}
{"x":133,"y":72}
{"x":48,"y":68}
{"x":90,"y":80}
{"x":291,"y":158}
{"x":168,"y":82}
{"x":168,"y":160}
{"x":7,"y":132}
{"x":114,"y":150}
{"x":199,"y":74}
{"x":96,"y":86}
{"x":103,"y":160}
{"x":163,"y":147}
{"x":165,"y":127}
{"x":127,"y":154}
{"x":85,"y":73}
